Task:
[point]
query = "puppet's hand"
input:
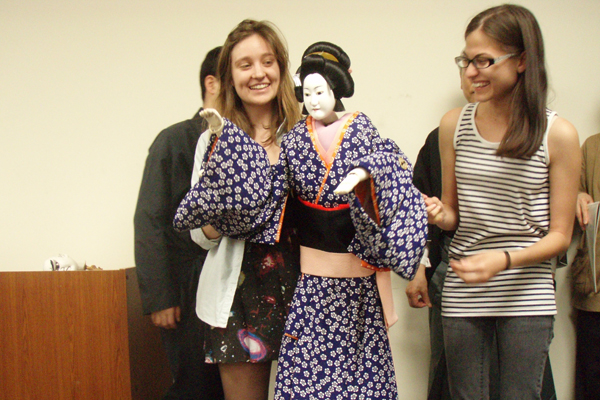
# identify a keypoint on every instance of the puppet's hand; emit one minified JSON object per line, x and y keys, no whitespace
{"x":351,"y":180}
{"x":215,"y":122}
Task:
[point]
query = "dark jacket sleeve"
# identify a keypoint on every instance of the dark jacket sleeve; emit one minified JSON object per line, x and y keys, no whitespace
{"x":428,"y":179}
{"x":163,"y":257}
{"x":428,"y":170}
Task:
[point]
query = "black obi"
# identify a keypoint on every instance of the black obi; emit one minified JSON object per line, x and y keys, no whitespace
{"x":323,"y":229}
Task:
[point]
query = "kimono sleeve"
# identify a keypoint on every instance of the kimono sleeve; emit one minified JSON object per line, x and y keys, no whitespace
{"x":239,"y":193}
{"x":393,"y":234}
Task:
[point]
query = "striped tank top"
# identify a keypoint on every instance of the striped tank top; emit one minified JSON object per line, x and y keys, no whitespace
{"x":504,"y":204}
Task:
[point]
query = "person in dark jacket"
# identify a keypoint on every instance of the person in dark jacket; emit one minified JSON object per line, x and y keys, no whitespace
{"x":168,"y":263}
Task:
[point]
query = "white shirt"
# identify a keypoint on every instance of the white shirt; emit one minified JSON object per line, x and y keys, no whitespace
{"x":221,"y":270}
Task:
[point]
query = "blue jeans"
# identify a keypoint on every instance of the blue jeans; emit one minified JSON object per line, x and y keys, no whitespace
{"x":523,"y":344}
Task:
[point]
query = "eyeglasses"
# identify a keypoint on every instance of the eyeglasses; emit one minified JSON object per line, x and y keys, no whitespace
{"x":480,"y":62}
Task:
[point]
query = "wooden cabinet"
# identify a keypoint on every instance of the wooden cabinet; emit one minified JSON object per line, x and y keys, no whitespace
{"x":77,"y":335}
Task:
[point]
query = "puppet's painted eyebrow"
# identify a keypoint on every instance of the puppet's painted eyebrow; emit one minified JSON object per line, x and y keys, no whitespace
{"x":319,"y":87}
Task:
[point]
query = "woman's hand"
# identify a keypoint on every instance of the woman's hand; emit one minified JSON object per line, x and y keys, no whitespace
{"x":210,"y":232}
{"x":581,"y":210}
{"x":480,"y":267}
{"x":435,"y":209}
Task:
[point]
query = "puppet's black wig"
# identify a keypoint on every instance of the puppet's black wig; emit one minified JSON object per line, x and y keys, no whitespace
{"x":333,"y":64}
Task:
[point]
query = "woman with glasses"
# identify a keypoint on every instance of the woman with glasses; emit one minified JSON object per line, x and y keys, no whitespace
{"x":509,"y":187}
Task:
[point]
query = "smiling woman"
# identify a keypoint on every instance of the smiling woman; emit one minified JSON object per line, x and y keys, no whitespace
{"x":350,"y":239}
{"x":509,"y":185}
{"x":245,"y":288}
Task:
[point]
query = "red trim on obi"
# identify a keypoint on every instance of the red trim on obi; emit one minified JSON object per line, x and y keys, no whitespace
{"x":318,"y":207}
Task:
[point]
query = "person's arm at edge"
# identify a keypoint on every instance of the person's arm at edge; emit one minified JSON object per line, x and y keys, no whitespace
{"x":151,"y":223}
{"x":417,"y":290}
{"x":583,"y":198}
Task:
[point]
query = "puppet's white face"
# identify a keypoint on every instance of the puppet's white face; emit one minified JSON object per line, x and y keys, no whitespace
{"x":318,"y":98}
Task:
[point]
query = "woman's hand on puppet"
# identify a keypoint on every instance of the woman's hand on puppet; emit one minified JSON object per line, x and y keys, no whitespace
{"x":440,"y":214}
{"x":351,"y":180}
{"x":215,"y":122}
{"x":435,"y":209}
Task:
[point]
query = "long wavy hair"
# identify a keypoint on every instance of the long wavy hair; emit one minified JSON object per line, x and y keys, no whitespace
{"x":285,"y":108}
{"x":516,"y":28}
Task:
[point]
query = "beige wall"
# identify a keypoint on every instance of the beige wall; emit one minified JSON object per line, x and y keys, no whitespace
{"x":85,"y":86}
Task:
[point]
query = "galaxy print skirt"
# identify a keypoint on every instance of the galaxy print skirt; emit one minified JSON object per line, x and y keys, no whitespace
{"x":260,"y":306}
{"x":335,"y":344}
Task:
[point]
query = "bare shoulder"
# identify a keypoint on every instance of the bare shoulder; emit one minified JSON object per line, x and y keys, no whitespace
{"x":448,"y":123}
{"x":562,"y":136}
{"x":562,"y":128}
{"x":451,"y":117}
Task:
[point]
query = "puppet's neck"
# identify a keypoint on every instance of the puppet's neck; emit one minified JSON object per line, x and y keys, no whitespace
{"x":327,"y":133}
{"x":330,"y":119}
